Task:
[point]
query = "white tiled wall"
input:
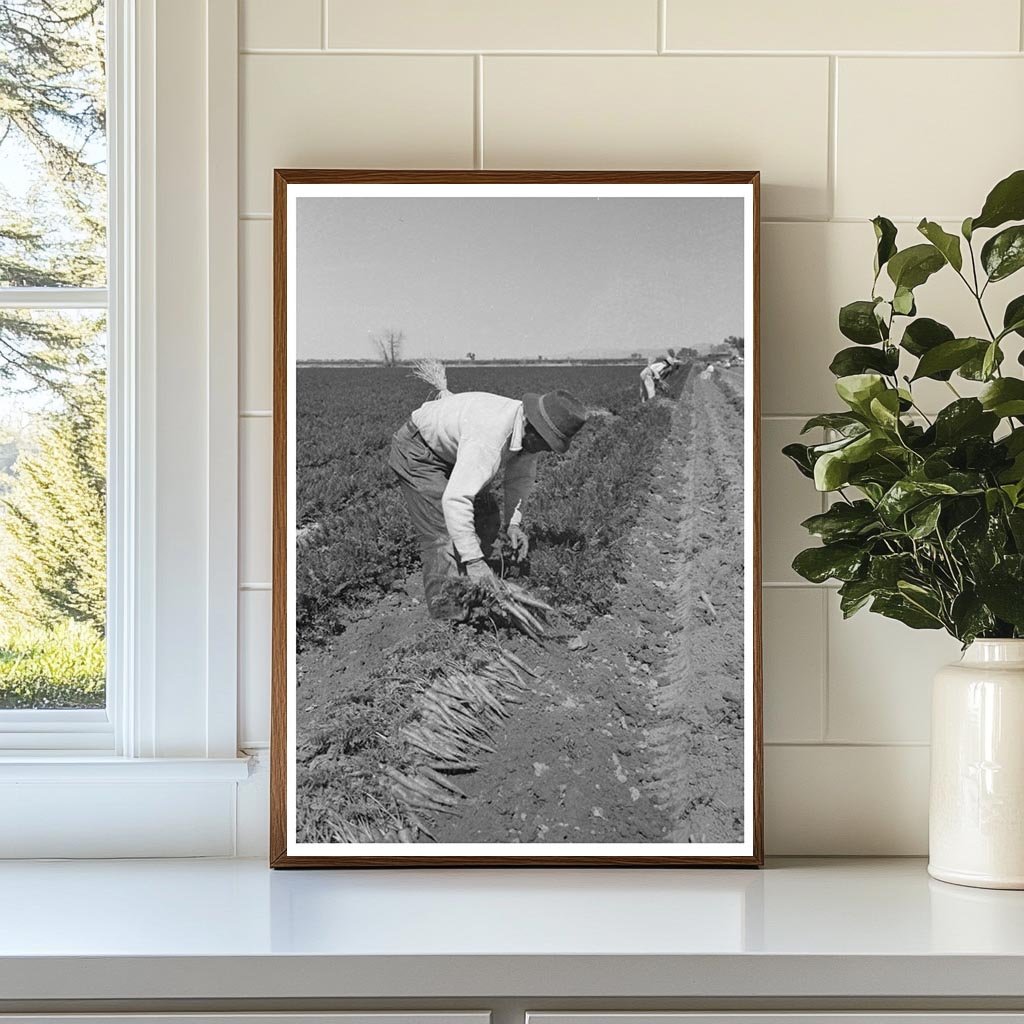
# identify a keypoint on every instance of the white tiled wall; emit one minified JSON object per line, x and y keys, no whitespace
{"x":906,"y":109}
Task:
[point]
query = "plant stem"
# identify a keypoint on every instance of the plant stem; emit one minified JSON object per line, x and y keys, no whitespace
{"x":924,"y":415}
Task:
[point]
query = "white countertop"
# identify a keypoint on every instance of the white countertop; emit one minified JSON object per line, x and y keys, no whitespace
{"x":234,"y":929}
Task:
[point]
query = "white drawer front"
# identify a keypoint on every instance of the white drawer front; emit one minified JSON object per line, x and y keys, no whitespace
{"x":786,"y":1017}
{"x":361,"y":1017}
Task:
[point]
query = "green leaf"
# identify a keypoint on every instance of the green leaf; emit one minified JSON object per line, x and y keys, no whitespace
{"x":885,"y":409}
{"x":1015,"y":519}
{"x":818,"y":450}
{"x":850,"y":361}
{"x":1004,"y":397}
{"x":858,"y":389}
{"x":947,"y":244}
{"x":1003,"y":254}
{"x":842,"y":521}
{"x":799,"y":455}
{"x":1005,"y":596}
{"x":841,"y":561}
{"x":912,"y":267}
{"x":925,"y":334}
{"x":897,"y":607}
{"x":831,"y":471}
{"x":1005,"y":202}
{"x":990,"y":360}
{"x":974,"y":368}
{"x":887,"y":570}
{"x":885,"y":237}
{"x":1015,"y":492}
{"x":971,"y":617}
{"x":906,"y":494}
{"x":925,"y":518}
{"x":965,"y":229}
{"x":1014,"y":441}
{"x":855,"y":594}
{"x":1013,"y":474}
{"x":1013,"y":317}
{"x":995,"y":500}
{"x":857,"y":321}
{"x":841,"y":421}
{"x":963,"y":482}
{"x":950,"y":355}
{"x":877,"y":471}
{"x":872,"y":491}
{"x":863,"y":447}
{"x":903,"y":302}
{"x":966,"y":417}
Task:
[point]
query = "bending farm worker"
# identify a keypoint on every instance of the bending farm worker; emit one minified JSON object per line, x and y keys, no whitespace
{"x":451,"y":449}
{"x":655,"y":373}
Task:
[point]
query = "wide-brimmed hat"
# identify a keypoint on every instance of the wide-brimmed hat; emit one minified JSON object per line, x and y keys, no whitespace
{"x":556,"y":416}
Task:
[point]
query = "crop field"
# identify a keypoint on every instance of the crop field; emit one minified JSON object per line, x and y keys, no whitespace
{"x":623,"y":723}
{"x":350,"y":508}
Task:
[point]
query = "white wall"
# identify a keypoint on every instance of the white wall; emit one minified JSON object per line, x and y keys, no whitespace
{"x":906,"y":109}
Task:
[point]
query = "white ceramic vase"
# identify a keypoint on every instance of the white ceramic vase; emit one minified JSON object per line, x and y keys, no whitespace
{"x":976,"y":815}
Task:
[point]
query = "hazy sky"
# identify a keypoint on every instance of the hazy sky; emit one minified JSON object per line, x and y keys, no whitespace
{"x":517,"y":277}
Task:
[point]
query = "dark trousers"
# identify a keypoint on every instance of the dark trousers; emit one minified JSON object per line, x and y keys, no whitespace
{"x":423,"y":477}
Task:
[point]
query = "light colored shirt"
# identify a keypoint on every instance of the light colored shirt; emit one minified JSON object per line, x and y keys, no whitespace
{"x":659,"y":368}
{"x":478,"y":434}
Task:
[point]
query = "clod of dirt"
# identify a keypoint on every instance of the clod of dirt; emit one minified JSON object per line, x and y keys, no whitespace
{"x":577,"y":643}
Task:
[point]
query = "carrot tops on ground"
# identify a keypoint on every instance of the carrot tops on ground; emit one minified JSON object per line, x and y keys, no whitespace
{"x":928,"y":522}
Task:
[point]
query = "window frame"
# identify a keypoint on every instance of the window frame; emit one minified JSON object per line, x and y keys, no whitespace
{"x":171,"y":713}
{"x":93,"y":729}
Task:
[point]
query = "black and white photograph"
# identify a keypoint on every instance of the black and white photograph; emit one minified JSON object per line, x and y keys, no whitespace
{"x":515,"y":549}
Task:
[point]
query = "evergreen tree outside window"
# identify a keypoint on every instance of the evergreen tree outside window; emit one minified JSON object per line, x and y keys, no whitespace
{"x":53,"y":382}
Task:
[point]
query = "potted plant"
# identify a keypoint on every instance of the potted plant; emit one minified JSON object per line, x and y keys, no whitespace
{"x":927,"y":521}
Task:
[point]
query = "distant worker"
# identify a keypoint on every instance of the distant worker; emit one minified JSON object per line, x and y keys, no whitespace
{"x":448,"y":452}
{"x":654,"y":375}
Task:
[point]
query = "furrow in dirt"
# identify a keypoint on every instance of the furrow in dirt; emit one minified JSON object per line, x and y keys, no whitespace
{"x":699,"y":741}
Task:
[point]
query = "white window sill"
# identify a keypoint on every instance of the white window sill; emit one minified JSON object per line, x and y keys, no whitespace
{"x":77,"y":766}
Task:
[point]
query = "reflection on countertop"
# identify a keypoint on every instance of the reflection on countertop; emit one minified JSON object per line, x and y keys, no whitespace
{"x":240,"y":908}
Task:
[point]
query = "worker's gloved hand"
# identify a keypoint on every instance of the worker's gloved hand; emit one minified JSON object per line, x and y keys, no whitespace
{"x":479,"y":571}
{"x":518,"y":542}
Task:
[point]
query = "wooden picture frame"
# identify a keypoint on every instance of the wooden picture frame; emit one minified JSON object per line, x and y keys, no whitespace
{"x":287,"y":848}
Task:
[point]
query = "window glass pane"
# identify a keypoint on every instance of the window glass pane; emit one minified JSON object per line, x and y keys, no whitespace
{"x":52,"y":509}
{"x":52,"y":143}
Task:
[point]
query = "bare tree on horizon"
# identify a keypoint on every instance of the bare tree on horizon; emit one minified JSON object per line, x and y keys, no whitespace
{"x":388,"y":342}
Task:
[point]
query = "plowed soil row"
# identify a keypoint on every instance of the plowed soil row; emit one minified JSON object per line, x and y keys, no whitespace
{"x":632,"y":731}
{"x":699,"y":741}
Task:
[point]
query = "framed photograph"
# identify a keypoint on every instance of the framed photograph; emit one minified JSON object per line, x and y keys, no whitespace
{"x":516,"y":553}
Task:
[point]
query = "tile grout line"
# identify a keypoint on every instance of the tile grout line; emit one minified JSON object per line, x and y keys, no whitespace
{"x":826,"y":650}
{"x":770,"y":417}
{"x":852,"y":744}
{"x":478,"y":111}
{"x":799,"y":584}
{"x":833,"y":134}
{"x":1020,"y":24}
{"x":323,"y":24}
{"x":662,"y":29}
{"x":768,"y":55}
{"x":824,"y":724}
{"x":260,"y":215}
